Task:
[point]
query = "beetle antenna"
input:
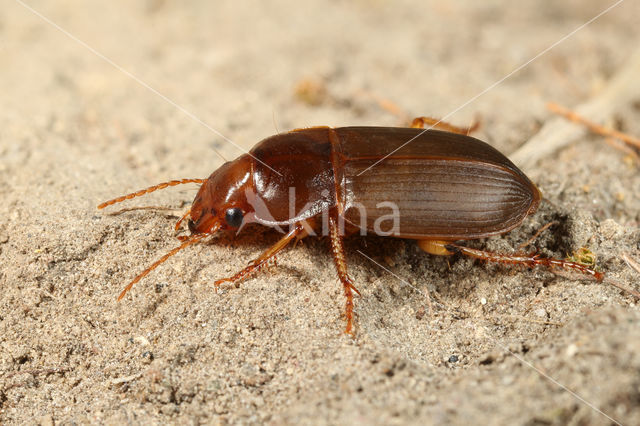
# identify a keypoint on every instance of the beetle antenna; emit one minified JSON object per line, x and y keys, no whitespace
{"x":190,"y":240}
{"x":150,"y":189}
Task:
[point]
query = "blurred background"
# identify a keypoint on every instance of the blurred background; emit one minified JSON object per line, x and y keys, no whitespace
{"x":248,"y":70}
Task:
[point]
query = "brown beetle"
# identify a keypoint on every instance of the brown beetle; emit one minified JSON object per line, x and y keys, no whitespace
{"x":433,"y":186}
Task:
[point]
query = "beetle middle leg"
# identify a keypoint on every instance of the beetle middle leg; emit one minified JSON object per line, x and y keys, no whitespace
{"x":420,"y":122}
{"x":339,"y":259}
{"x":297,"y":231}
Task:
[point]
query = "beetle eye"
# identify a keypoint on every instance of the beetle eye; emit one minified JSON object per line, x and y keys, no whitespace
{"x":233,"y":217}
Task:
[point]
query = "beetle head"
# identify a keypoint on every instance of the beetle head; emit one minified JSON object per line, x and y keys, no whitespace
{"x":221,"y":202}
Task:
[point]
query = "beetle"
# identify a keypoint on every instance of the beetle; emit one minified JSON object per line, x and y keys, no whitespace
{"x":435,"y":186}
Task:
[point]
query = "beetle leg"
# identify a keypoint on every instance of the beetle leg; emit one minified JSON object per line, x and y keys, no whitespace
{"x":339,"y":260}
{"x":529,"y":260}
{"x":297,"y":231}
{"x":420,"y":122}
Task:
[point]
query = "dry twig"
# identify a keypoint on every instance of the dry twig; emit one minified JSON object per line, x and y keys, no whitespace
{"x":623,"y":89}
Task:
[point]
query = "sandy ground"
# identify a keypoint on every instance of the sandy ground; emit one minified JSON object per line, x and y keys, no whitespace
{"x":506,"y":345}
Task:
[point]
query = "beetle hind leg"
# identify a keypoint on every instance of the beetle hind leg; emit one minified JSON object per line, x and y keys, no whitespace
{"x":530,"y":260}
{"x":421,"y":122}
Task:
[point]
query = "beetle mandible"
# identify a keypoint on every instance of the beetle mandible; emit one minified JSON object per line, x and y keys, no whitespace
{"x":446,"y":186}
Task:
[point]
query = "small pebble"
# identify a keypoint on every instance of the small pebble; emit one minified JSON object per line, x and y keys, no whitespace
{"x":540,"y":313}
{"x":141,"y":340}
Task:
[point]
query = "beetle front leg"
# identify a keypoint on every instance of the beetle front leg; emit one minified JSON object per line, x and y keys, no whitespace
{"x":420,"y":122}
{"x":297,"y":231}
{"x":339,"y":260}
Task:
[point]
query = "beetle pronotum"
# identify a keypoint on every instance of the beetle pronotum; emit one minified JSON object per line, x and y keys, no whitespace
{"x":445,"y":186}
